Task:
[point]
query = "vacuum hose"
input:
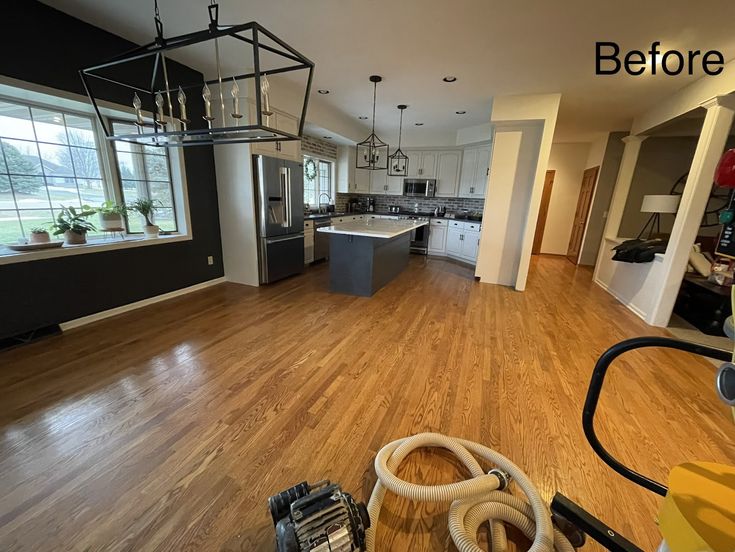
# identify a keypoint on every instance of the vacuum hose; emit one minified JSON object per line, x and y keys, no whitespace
{"x":473,"y":501}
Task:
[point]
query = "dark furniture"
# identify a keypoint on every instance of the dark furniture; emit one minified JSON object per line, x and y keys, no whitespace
{"x":703,"y":304}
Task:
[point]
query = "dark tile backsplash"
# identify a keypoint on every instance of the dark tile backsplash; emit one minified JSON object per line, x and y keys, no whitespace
{"x":384,"y":202}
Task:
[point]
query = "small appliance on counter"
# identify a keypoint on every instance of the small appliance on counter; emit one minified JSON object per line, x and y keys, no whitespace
{"x":371,"y":205}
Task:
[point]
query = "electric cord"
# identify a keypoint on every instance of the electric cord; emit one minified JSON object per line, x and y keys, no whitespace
{"x":473,"y":501}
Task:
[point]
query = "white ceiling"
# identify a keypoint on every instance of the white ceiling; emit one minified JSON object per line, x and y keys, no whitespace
{"x":493,"y":47}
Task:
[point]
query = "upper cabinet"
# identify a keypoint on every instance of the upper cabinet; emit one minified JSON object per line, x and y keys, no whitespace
{"x":290,"y":149}
{"x":349,"y":179}
{"x":475,"y":171}
{"x":447,"y":173}
{"x":421,"y":164}
{"x":381,"y":183}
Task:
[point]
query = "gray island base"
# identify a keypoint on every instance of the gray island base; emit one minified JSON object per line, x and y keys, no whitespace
{"x":365,"y":255}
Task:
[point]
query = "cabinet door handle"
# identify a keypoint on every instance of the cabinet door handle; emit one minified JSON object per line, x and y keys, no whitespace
{"x":487,"y":172}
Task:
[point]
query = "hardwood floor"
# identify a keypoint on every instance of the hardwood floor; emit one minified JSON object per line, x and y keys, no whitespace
{"x":168,"y":427}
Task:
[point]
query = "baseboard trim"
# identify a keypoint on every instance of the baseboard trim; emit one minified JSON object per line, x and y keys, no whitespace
{"x":138,"y":304}
{"x":635,"y":310}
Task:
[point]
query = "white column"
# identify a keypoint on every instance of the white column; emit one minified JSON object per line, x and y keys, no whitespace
{"x":711,"y":144}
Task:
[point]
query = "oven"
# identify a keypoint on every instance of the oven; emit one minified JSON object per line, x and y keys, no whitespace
{"x":419,"y":187}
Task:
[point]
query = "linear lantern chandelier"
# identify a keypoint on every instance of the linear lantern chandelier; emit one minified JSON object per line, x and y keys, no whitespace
{"x":372,"y":153}
{"x":173,"y":113}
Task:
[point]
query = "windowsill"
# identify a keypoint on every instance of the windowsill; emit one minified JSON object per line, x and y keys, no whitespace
{"x":8,"y":256}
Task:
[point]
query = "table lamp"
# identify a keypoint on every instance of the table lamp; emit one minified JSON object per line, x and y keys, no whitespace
{"x":658,"y":205}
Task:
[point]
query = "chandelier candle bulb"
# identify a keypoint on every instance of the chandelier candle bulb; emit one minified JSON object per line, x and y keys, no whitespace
{"x":137,"y":105}
{"x":159,"y":108}
{"x":265,"y":89}
{"x":207,"y":97}
{"x":235,"y":100}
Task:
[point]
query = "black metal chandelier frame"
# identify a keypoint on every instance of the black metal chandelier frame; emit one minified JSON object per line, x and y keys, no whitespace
{"x":372,"y":145}
{"x":260,"y":130}
{"x":398,"y":158}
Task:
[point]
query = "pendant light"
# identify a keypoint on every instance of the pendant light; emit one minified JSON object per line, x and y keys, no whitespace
{"x":144,"y":75}
{"x":372,"y":153}
{"x":398,"y":162}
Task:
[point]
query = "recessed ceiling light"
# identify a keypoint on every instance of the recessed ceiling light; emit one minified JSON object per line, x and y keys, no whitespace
{"x":323,"y":91}
{"x":362,"y":118}
{"x":327,"y":137}
{"x":419,"y":124}
{"x":460,"y":112}
{"x":449,"y":78}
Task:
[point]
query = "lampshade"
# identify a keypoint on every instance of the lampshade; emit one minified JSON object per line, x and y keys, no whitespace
{"x":660,"y":203}
{"x":725,"y":173}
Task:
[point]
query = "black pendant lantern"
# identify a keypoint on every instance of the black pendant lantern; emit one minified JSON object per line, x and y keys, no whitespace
{"x":172,"y":111}
{"x":398,"y":162}
{"x":372,"y":153}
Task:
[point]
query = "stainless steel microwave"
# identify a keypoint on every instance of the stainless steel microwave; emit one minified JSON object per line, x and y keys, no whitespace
{"x":419,"y":187}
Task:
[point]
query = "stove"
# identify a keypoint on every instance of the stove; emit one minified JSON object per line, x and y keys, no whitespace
{"x":420,"y":235}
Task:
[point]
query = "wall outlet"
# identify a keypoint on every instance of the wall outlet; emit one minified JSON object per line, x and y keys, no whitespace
{"x":210,"y":260}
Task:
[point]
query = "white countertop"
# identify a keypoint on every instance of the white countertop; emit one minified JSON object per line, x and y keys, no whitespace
{"x":374,"y":228}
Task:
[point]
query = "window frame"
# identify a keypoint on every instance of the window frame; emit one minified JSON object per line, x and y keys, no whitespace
{"x":42,"y":97}
{"x":115,"y":168}
{"x":332,"y":174}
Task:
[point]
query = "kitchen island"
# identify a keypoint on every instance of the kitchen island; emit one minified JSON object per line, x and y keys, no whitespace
{"x":365,"y":255}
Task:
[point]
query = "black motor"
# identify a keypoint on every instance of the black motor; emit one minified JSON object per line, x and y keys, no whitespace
{"x":318,"y":518}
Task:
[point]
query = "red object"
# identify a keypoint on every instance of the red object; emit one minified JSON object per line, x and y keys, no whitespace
{"x":725,"y":173}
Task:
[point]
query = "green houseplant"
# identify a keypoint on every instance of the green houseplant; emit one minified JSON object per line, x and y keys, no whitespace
{"x":112,"y":216}
{"x":39,"y":235}
{"x":147,"y":207}
{"x":73,"y":224}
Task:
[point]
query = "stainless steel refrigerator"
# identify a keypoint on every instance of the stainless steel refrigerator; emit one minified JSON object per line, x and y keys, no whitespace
{"x":279,"y":195}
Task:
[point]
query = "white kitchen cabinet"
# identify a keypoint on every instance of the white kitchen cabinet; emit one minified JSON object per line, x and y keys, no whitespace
{"x":447,"y":173}
{"x":475,"y":171}
{"x":308,"y":242}
{"x":378,"y":182}
{"x":345,"y":169}
{"x":438,"y":237}
{"x":280,"y":120}
{"x":395,"y":185}
{"x":454,"y":242}
{"x":362,"y":181}
{"x":463,"y":240}
{"x":421,"y":164}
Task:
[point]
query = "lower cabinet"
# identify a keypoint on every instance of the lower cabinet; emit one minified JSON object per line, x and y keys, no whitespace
{"x":438,"y":237}
{"x":308,"y":242}
{"x":463,"y":240}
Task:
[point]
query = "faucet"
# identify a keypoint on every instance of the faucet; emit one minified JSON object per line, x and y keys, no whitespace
{"x":329,"y":200}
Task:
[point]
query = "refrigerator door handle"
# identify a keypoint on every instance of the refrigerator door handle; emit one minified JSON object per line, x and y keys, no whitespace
{"x":286,"y":238}
{"x":284,"y":197}
{"x":289,"y":212}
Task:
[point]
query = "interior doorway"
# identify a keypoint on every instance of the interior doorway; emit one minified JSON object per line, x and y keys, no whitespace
{"x":543,"y":212}
{"x":586,"y":192}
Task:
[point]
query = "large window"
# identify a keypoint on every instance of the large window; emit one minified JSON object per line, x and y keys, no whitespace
{"x":49,"y":159}
{"x":320,"y":182}
{"x":52,"y":157}
{"x":144,"y":172}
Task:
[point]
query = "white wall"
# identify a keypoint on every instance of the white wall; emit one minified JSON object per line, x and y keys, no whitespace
{"x":568,"y":163}
{"x":235,"y":195}
{"x":535,"y":117}
{"x":609,"y":166}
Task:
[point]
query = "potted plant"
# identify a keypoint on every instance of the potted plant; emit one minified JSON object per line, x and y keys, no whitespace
{"x":39,"y":235}
{"x":73,"y":224}
{"x":146,"y":207}
{"x":111,"y":216}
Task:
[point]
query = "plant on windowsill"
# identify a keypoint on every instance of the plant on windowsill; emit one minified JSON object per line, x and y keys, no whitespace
{"x":73,"y":224}
{"x":112,"y":216}
{"x":39,"y":235}
{"x":146,"y":208}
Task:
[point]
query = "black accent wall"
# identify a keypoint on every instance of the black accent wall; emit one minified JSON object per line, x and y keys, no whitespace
{"x":45,"y":46}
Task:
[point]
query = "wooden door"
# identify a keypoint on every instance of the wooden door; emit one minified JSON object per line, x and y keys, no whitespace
{"x":589,"y":180}
{"x":543,"y":212}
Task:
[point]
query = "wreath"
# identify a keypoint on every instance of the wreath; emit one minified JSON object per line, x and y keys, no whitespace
{"x":310,"y":169}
